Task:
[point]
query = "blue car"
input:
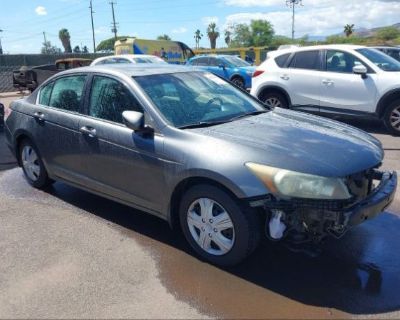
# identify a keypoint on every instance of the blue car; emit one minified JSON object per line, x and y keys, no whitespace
{"x":229,"y":67}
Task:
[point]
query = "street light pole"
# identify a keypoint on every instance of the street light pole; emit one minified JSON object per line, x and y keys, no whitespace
{"x":292,"y":4}
{"x":1,"y":47}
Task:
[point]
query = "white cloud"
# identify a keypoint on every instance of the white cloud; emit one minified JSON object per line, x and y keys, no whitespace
{"x":41,"y":11}
{"x":179,"y":30}
{"x":325,"y":18}
{"x":207,"y":20}
{"x":100,"y":30}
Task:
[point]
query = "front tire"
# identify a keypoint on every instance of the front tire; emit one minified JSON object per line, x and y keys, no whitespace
{"x":216,"y":227}
{"x":238,"y":82}
{"x":391,"y":118}
{"x":274,"y":99}
{"x":32,"y":165}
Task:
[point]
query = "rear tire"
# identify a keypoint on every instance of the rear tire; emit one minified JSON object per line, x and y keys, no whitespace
{"x":225,"y":233}
{"x":391,"y":118}
{"x":32,"y":165}
{"x":274,"y":99}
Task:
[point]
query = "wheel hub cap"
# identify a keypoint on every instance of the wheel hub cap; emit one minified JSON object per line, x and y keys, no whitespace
{"x":211,"y":226}
{"x":273,"y":102}
{"x":30,"y":162}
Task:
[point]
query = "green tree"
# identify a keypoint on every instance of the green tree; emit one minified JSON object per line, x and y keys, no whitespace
{"x":164,"y":37}
{"x":85,"y":49}
{"x":108,"y":44}
{"x":348,"y":30}
{"x":47,"y":48}
{"x":213,"y":34}
{"x":262,"y":32}
{"x":65,"y":39}
{"x":197,"y":37}
{"x":77,"y":49}
{"x":259,"y":33}
{"x":388,"y":33}
{"x":228,"y":38}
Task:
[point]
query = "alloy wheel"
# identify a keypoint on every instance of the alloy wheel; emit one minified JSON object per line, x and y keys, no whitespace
{"x":30,"y":162}
{"x":395,"y":118}
{"x":273,"y":102}
{"x":211,"y":226}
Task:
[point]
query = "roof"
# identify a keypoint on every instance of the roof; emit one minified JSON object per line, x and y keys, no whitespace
{"x":318,"y":47}
{"x":133,"y":70}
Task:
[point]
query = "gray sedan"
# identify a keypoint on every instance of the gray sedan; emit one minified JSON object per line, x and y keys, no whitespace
{"x":191,"y":148}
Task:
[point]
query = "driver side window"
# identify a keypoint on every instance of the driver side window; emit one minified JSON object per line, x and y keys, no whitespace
{"x":339,"y":61}
{"x":109,"y":98}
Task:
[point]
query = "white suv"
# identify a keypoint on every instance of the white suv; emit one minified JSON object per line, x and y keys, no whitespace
{"x":332,"y":80}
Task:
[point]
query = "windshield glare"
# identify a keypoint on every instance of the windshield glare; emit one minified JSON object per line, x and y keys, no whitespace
{"x":186,"y":99}
{"x":236,"y":62}
{"x":380,"y":59}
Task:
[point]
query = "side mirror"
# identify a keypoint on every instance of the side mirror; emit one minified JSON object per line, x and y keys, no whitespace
{"x":222,"y":66}
{"x":133,"y":120}
{"x":361,"y":70}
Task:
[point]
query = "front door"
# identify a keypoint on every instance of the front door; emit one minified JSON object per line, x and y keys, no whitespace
{"x":118,"y":161}
{"x":342,"y":90}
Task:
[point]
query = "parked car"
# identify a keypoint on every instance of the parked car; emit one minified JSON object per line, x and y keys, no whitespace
{"x":127,"y":58}
{"x":195,"y":150}
{"x":29,"y":78}
{"x":339,"y":80}
{"x":394,"y":52}
{"x":229,"y":67}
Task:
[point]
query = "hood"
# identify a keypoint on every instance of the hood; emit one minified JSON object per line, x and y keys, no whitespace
{"x":300,"y":142}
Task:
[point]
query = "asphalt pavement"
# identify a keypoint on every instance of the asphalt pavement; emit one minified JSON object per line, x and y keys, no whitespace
{"x":69,"y":254}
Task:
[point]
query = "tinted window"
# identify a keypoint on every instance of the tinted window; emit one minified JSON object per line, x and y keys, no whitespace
{"x":306,"y":60}
{"x":200,"y":62}
{"x":339,"y":61}
{"x":45,"y":92}
{"x":109,"y":98}
{"x":67,"y":93}
{"x":281,"y":60}
{"x":214,"y":62}
{"x":381,"y":60}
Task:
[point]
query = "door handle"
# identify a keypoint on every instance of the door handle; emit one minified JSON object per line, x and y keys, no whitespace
{"x":285,"y":77}
{"x":39,"y":116}
{"x":328,"y":82}
{"x":88,"y":131}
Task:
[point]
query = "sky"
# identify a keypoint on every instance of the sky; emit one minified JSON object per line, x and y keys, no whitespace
{"x":24,"y":21}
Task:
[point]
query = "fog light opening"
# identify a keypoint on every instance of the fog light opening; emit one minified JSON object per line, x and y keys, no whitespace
{"x":275,"y":228}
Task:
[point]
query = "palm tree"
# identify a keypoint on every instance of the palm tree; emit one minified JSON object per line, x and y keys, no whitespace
{"x":65,"y":39}
{"x":197,"y":37}
{"x":349,"y":29}
{"x":213,"y":34}
{"x":228,"y":37}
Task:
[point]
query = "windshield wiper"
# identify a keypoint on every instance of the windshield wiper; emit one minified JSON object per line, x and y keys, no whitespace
{"x":202,"y":124}
{"x":248,"y":114}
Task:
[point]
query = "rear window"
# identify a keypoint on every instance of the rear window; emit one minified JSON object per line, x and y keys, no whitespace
{"x":308,"y":60}
{"x":281,"y":60}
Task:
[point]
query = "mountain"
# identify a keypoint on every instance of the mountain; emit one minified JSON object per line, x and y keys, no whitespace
{"x":364,"y":33}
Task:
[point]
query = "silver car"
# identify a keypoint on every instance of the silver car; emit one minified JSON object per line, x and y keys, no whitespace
{"x":191,"y":148}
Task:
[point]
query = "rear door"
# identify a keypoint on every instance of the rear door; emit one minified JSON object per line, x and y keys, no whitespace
{"x":119,"y":162}
{"x":56,"y":129}
{"x":302,"y":80}
{"x":342,"y":91}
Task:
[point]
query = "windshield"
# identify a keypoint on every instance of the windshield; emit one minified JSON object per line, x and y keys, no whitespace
{"x":382,"y":60}
{"x":236,"y":62}
{"x":186,"y":99}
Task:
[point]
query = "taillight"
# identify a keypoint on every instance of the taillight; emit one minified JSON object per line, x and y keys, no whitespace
{"x":257,"y":73}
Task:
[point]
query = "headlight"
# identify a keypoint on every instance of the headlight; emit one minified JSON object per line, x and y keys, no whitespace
{"x":299,"y":185}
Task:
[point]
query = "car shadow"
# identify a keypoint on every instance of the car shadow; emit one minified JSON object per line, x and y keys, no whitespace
{"x":358,"y":274}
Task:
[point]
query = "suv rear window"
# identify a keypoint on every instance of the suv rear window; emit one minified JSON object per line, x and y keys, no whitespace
{"x":306,"y":60}
{"x":281,"y":60}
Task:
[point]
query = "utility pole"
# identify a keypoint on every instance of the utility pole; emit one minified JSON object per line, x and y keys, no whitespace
{"x":114,"y":24}
{"x":91,"y":15}
{"x":292,"y":4}
{"x":1,"y":48}
{"x":46,"y":47}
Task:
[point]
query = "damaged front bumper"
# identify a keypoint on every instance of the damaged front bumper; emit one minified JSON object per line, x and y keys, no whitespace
{"x":304,"y":220}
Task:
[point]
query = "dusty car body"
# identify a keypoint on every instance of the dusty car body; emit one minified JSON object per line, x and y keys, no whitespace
{"x":31,"y":77}
{"x":196,"y":151}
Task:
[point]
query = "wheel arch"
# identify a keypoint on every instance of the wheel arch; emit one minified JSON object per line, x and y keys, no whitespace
{"x":189,"y":182}
{"x":20,"y":136}
{"x":274,"y":88}
{"x":385,"y":101}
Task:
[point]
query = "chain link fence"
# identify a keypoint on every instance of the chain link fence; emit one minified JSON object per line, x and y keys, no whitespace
{"x":9,"y":63}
